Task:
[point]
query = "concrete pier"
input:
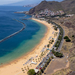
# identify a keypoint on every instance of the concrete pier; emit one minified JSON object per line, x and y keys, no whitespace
{"x":15,"y":32}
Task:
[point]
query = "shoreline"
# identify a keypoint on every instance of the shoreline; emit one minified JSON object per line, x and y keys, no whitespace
{"x":28,"y":53}
{"x":36,"y":50}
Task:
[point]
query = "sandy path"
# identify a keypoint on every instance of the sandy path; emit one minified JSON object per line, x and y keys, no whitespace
{"x":56,"y":65}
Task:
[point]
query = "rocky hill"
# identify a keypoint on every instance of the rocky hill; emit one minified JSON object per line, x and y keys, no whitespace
{"x":67,"y":5}
{"x":52,"y":5}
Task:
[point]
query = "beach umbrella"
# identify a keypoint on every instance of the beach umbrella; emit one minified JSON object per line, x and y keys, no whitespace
{"x":48,"y":49}
{"x":36,"y":67}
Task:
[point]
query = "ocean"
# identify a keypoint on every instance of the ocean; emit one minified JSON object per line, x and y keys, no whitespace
{"x":23,"y":42}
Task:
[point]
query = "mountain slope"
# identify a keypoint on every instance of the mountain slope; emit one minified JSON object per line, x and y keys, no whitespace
{"x":52,"y":5}
{"x":67,"y":5}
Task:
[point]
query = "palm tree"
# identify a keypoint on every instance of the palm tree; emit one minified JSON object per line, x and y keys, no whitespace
{"x":36,"y":60}
{"x":23,"y":71}
{"x":28,"y":68}
{"x":30,"y":65}
{"x":31,"y":72}
{"x":25,"y":68}
{"x":22,"y":68}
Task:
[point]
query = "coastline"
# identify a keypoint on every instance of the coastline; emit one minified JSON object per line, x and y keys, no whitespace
{"x":28,"y":53}
{"x":19,"y":62}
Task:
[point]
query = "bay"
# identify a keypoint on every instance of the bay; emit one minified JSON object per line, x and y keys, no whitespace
{"x":23,"y":42}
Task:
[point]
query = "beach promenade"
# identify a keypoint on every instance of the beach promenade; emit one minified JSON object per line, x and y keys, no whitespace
{"x":32,"y":59}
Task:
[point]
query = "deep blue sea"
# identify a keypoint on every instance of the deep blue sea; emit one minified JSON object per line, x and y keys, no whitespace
{"x":21,"y":43}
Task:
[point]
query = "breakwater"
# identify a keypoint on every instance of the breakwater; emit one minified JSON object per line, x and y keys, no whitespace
{"x":15,"y":32}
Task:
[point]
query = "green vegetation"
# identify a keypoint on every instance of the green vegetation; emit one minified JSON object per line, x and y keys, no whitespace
{"x":72,"y":35}
{"x":60,"y":37}
{"x":68,"y":48}
{"x":43,"y":68}
{"x":67,"y":39}
{"x":52,"y":57}
{"x":57,"y":54}
{"x":57,"y":43}
{"x":55,"y":28}
{"x":48,"y":45}
{"x":49,"y":21}
{"x":31,"y":72}
{"x":52,"y":40}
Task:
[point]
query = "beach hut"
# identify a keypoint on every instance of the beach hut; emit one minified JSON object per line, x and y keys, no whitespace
{"x":33,"y":63}
{"x":36,"y":55}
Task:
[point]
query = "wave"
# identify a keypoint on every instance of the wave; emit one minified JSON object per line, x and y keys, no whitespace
{"x":15,"y":32}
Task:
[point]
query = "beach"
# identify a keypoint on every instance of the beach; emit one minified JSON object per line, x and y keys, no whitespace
{"x":17,"y":66}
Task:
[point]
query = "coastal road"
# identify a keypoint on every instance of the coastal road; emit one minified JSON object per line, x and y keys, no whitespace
{"x":61,"y":41}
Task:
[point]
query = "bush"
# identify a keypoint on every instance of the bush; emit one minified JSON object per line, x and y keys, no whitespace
{"x":57,"y":54}
{"x":72,"y":35}
{"x":53,"y":51}
{"x":68,"y":40}
{"x":66,"y":37}
{"x":52,"y":57}
{"x":58,"y":41}
{"x":56,"y":45}
{"x":42,"y":70}
{"x":56,"y":48}
{"x":40,"y":73}
{"x":31,"y":72}
{"x":46,"y":65}
{"x":49,"y":21}
{"x":55,"y":28}
{"x":60,"y":37}
{"x":48,"y":61}
{"x":48,"y":45}
{"x":52,"y":40}
{"x":61,"y":33}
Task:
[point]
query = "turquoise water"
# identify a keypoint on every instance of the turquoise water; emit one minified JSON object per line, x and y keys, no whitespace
{"x":22,"y":42}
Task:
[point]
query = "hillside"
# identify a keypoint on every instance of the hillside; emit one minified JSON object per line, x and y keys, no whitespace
{"x":67,"y":5}
{"x":51,"y":5}
{"x":68,"y":25}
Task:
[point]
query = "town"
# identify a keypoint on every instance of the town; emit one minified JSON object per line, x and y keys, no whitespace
{"x":48,"y":13}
